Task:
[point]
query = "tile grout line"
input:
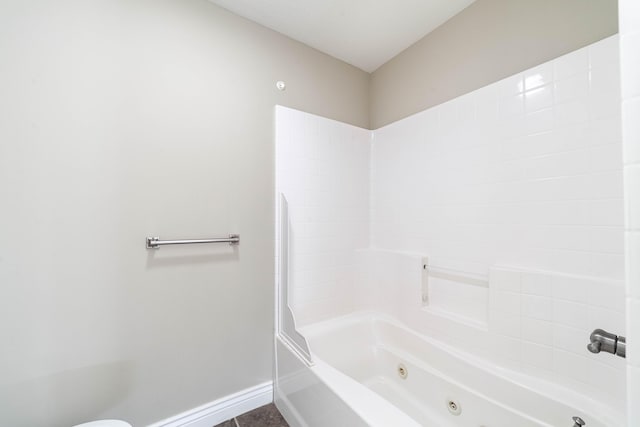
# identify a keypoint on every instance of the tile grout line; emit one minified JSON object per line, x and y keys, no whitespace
{"x":235,"y":420}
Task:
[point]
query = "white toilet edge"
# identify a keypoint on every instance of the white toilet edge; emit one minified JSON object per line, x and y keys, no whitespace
{"x":105,"y":423}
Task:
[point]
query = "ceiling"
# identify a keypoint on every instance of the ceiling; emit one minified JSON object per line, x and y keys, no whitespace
{"x":364,"y":33}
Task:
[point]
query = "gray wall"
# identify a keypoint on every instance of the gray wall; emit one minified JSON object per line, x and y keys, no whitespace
{"x":121,"y":119}
{"x":489,"y":40}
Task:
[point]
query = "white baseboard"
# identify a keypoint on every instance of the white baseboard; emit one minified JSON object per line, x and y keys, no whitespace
{"x":220,"y":410}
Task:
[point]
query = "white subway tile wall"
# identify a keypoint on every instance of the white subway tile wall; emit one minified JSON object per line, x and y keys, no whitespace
{"x":629,"y":11}
{"x":322,"y":167}
{"x":526,"y":172}
{"x":550,"y":317}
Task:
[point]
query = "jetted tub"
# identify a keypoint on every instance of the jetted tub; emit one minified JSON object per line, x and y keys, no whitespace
{"x":393,"y":377}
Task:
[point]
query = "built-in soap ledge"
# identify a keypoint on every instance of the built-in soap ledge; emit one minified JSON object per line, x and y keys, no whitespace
{"x":457,"y":295}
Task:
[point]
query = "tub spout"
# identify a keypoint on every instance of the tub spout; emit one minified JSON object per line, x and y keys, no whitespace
{"x":594,"y":347}
{"x":606,"y":341}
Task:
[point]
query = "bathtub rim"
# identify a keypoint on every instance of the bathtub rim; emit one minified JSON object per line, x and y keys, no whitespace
{"x":349,"y":391}
{"x":602,"y":412}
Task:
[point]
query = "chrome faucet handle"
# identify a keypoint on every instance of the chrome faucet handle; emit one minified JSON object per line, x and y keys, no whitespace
{"x":578,"y":422}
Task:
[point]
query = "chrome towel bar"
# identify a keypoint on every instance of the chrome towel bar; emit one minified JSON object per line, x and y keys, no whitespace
{"x":155,"y":242}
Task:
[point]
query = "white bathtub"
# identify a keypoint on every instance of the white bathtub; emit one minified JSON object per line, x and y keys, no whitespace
{"x":357,"y":360}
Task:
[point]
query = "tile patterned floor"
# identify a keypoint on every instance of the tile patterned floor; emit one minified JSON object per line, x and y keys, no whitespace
{"x":265,"y":416}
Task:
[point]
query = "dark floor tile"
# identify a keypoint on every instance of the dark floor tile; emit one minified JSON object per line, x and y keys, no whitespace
{"x":265,"y":416}
{"x":228,"y":423}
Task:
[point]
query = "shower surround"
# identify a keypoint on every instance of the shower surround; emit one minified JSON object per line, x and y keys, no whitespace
{"x":492,"y":224}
